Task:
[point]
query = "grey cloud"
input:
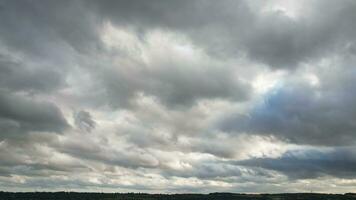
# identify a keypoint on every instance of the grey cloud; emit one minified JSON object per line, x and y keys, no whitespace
{"x":174,"y":82}
{"x":308,"y":164}
{"x":270,"y":37}
{"x":41,"y":42}
{"x":9,"y":159}
{"x":56,"y":49}
{"x":26,"y":156}
{"x":279,"y":41}
{"x":146,"y":139}
{"x":304,"y":114}
{"x":165,"y":14}
{"x":241,"y":29}
{"x":51,"y":25}
{"x":21,"y":114}
{"x":19,"y":76}
{"x":4,"y":172}
{"x":159,"y":127}
{"x":99,"y":151}
{"x":61,"y":38}
{"x":36,"y":170}
{"x":235,"y":28}
{"x":84,"y":121}
{"x":219,"y":27}
{"x":207,"y":170}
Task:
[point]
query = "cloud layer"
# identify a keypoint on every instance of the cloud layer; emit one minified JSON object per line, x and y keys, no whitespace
{"x":184,"y":96}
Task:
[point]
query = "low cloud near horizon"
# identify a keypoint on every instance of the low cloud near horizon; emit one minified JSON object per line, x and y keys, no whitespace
{"x":178,"y":96}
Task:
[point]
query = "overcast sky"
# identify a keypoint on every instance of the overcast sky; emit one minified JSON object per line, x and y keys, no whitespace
{"x":178,"y":96}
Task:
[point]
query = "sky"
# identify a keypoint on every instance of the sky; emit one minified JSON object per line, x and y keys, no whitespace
{"x":166,"y":96}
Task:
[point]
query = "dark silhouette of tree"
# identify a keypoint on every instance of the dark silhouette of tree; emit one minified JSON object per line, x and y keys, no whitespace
{"x":144,"y":196}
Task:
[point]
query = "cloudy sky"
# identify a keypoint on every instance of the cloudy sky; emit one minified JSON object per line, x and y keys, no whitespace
{"x":178,"y":96}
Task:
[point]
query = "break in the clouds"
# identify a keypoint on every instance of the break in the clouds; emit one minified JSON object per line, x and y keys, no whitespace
{"x":178,"y":96}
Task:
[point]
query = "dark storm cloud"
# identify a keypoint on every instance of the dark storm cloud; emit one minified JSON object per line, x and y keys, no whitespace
{"x":19,"y":114}
{"x":301,"y":164}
